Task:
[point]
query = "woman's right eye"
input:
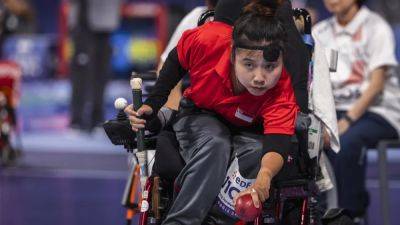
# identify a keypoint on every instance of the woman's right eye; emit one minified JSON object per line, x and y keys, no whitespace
{"x":249,"y":65}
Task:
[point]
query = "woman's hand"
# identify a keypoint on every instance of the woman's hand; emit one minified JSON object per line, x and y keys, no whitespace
{"x":343,"y":126}
{"x":133,"y":116}
{"x":259,"y":191}
{"x":326,"y":137}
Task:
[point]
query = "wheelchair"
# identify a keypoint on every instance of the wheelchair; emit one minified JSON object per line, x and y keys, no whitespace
{"x":293,"y":200}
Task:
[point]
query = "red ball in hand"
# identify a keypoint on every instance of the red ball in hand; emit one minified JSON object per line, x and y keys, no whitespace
{"x":245,"y":208}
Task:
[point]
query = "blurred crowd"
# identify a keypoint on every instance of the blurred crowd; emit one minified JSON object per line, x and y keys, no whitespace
{"x":364,"y":84}
{"x":90,"y":24}
{"x":16,"y":17}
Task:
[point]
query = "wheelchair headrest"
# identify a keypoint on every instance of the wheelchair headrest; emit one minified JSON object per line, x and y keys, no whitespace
{"x":207,"y":15}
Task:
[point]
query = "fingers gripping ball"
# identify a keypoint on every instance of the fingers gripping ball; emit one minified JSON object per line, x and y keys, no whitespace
{"x":245,"y":208}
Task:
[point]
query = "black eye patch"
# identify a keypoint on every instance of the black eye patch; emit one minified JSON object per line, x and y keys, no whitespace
{"x":271,"y":52}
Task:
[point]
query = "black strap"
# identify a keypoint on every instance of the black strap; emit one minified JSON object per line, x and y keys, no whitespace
{"x":271,"y":52}
{"x":170,"y":74}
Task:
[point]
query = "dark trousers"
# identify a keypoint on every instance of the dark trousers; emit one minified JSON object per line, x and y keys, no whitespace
{"x":168,"y":163}
{"x":89,"y":76}
{"x":350,"y":163}
{"x":206,"y":146}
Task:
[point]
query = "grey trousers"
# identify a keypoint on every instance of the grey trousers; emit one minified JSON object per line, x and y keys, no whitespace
{"x":206,"y":146}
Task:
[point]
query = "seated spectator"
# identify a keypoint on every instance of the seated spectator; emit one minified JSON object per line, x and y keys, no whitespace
{"x":366,"y":98}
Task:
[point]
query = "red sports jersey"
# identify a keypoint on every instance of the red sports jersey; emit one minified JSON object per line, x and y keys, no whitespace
{"x":205,"y":52}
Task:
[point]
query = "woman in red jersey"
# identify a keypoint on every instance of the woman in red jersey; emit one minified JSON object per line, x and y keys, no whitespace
{"x":237,"y":82}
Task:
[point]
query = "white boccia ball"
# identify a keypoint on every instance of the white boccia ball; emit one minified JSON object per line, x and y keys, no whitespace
{"x":120,"y":103}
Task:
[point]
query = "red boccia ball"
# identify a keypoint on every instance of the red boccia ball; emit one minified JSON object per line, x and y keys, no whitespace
{"x":245,"y":208}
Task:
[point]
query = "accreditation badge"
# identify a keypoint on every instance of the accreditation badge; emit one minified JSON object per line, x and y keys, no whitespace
{"x":233,"y":184}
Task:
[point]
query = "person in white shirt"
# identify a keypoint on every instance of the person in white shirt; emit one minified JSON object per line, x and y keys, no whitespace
{"x":367,"y":96}
{"x":188,"y":22}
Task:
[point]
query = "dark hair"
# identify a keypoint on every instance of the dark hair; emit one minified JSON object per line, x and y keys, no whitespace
{"x":227,"y":11}
{"x":212,"y":3}
{"x":258,"y":23}
{"x":360,"y":2}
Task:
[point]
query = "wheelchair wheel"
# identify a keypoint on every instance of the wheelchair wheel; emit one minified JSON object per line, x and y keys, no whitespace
{"x":161,"y":195}
{"x":292,"y":212}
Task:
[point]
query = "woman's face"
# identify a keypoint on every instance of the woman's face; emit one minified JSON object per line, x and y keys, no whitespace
{"x":254,"y":73}
{"x":339,"y":6}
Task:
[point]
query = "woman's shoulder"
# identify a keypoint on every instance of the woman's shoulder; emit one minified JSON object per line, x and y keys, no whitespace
{"x":377,"y":25}
{"x":213,"y":31}
{"x":208,"y":38}
{"x":209,"y":32}
{"x":323,"y":29}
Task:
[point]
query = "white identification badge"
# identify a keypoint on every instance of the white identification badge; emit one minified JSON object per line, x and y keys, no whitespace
{"x":233,"y":184}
